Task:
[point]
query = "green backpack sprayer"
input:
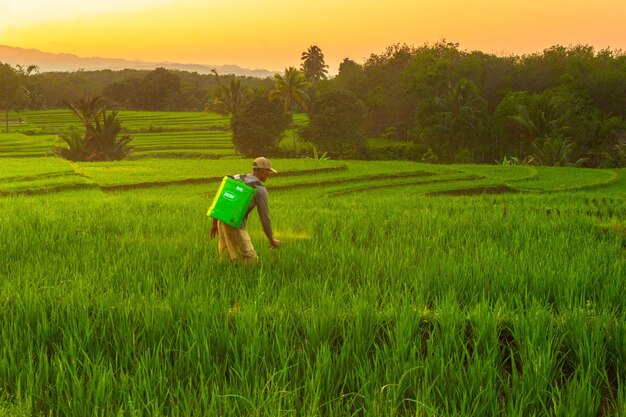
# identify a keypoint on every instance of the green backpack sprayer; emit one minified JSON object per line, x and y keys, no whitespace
{"x":232,"y":200}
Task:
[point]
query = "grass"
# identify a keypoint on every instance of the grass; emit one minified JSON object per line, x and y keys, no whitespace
{"x":442,"y":306}
{"x":21,"y":145}
{"x":555,"y":179}
{"x":155,"y":134}
{"x":133,"y":121}
{"x":400,"y":289}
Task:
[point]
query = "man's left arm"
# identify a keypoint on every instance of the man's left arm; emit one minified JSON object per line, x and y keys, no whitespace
{"x":262,"y":206}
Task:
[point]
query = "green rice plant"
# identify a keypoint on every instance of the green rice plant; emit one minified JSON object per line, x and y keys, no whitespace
{"x":566,"y":179}
{"x":579,"y":397}
{"x":382,"y":301}
{"x":20,"y":145}
{"x":536,"y":364}
{"x":22,"y":169}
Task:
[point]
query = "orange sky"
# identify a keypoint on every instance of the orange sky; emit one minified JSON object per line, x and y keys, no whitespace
{"x":271,"y":34}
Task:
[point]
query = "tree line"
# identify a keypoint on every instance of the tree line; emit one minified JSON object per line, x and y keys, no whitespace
{"x":129,"y":89}
{"x":563,"y":106}
{"x":566,"y":105}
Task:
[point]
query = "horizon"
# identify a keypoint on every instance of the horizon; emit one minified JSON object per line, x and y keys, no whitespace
{"x":272,"y":35}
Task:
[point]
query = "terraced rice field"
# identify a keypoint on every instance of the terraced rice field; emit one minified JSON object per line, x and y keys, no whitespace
{"x":155,"y":134}
{"x":400,"y":289}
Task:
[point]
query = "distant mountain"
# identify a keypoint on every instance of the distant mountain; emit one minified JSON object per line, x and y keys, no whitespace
{"x":47,"y":61}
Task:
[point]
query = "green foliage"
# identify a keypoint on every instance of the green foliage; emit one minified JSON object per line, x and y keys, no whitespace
{"x":158,"y":88}
{"x":124,"y":93}
{"x":88,"y":110}
{"x":104,"y":143}
{"x":619,"y":159}
{"x":316,"y":155}
{"x":229,"y":99}
{"x":514,"y":160}
{"x":350,"y":77}
{"x":290,"y":89}
{"x":9,"y":88}
{"x":464,"y":156}
{"x":100,"y":141}
{"x":430,"y":157}
{"x":390,"y":133}
{"x":555,"y":126}
{"x":76,"y":149}
{"x":458,"y":122}
{"x":383,"y":89}
{"x":386,"y":150}
{"x":553,"y":151}
{"x":257,"y":128}
{"x":313,"y":67}
{"x":123,"y":88}
{"x":336,"y":123}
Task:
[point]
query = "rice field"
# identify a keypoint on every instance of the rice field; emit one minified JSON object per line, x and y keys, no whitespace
{"x":155,"y":134}
{"x":400,"y":289}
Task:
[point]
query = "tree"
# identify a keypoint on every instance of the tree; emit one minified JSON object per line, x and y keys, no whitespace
{"x":258,"y":126}
{"x":124,"y":93}
{"x":158,"y":87}
{"x":350,"y":77}
{"x":554,"y":122}
{"x":28,"y":95}
{"x":87,"y":109}
{"x":389,"y":100}
{"x":100,"y":141}
{"x":313,"y":66}
{"x":463,"y":114}
{"x":336,"y":122}
{"x":104,"y":143}
{"x":9,"y":87}
{"x":290,"y":88}
{"x":510,"y":137}
{"x":539,"y":117}
{"x":230,"y":98}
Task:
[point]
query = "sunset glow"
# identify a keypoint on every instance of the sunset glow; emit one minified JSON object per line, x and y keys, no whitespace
{"x":272,"y":34}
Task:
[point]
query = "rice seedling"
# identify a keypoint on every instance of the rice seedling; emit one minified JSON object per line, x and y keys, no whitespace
{"x":384,"y":299}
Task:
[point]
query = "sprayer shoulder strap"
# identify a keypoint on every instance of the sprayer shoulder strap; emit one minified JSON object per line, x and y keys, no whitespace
{"x":252,"y":184}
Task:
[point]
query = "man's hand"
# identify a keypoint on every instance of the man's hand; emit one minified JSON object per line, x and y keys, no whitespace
{"x":274,"y":243}
{"x":214,"y":229}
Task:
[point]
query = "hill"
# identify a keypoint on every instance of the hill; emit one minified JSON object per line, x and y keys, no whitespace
{"x":48,"y":62}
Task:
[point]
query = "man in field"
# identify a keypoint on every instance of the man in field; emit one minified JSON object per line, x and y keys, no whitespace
{"x":237,"y":241}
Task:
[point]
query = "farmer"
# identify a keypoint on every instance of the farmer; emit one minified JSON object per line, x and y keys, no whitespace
{"x":237,"y":241}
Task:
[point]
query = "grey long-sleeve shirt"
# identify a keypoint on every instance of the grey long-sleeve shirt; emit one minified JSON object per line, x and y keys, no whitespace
{"x":260,"y":201}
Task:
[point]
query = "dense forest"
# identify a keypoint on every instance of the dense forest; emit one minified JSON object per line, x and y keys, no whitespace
{"x":436,"y":102}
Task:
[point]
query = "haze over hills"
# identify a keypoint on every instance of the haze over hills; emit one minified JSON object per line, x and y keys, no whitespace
{"x":48,"y":62}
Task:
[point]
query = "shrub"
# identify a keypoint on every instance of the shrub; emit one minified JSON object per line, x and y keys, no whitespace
{"x":430,"y":157}
{"x":258,"y":126}
{"x":336,"y":123}
{"x":100,"y":141}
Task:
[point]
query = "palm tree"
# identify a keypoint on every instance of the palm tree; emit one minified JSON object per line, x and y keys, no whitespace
{"x":104,"y":143}
{"x":465,"y":110}
{"x":539,"y":118}
{"x":88,"y":110}
{"x":546,"y":130}
{"x":290,"y":88}
{"x":100,"y":141}
{"x":313,"y":66}
{"x":230,"y":98}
